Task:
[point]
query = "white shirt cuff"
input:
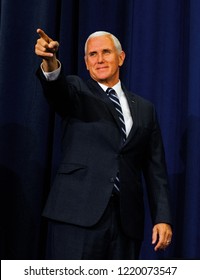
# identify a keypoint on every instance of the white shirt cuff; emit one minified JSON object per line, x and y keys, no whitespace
{"x":52,"y":76}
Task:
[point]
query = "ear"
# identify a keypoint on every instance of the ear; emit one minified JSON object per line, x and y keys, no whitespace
{"x":122,"y":56}
{"x":85,"y":58}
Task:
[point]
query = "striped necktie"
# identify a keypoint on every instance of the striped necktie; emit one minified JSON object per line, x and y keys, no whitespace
{"x":114,"y":98}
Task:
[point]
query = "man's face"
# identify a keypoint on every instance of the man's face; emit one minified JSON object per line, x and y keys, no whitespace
{"x":103,"y":61}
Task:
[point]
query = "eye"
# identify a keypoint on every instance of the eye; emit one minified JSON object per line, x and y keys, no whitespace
{"x":92,"y":54}
{"x":107,"y":51}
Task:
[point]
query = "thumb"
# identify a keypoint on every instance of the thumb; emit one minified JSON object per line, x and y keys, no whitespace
{"x":154,"y":235}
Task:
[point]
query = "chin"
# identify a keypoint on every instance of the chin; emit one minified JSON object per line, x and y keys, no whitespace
{"x":102,"y":78}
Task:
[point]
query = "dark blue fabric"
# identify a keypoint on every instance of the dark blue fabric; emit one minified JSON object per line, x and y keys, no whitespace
{"x":162,"y":42}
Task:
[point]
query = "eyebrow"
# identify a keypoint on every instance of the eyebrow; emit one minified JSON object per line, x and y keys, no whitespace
{"x":104,"y":50}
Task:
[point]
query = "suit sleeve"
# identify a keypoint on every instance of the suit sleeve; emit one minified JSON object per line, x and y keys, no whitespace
{"x":60,"y":93}
{"x":156,"y":177}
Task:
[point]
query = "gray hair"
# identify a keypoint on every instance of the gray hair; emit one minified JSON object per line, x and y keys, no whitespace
{"x":104,"y":33}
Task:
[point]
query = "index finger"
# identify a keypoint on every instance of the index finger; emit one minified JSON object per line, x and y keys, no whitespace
{"x":43,"y":35}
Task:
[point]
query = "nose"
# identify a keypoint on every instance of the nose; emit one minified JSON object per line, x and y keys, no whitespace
{"x":100,"y":58}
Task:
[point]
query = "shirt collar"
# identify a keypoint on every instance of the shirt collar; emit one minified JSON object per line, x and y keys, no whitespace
{"x":117,"y":87}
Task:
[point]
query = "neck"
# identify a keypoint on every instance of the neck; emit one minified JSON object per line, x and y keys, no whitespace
{"x":108,"y":83}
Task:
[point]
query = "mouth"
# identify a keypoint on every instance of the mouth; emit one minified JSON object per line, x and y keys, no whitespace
{"x":102,"y":68}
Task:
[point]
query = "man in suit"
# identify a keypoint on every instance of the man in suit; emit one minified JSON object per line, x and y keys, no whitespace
{"x":95,"y":206}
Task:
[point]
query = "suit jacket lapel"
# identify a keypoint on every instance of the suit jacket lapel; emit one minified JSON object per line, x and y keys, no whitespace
{"x":132,"y":102}
{"x":100,"y":93}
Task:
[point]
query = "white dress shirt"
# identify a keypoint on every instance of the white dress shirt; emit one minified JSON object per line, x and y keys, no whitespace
{"x":124,"y":105}
{"x":50,"y":76}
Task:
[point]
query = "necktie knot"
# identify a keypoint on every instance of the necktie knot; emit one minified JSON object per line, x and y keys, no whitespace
{"x":110,"y":91}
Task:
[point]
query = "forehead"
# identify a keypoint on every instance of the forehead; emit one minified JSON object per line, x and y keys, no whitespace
{"x":99,"y":43}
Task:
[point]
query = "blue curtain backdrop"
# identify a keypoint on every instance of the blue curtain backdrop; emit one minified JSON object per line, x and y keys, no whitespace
{"x":162,"y":44}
